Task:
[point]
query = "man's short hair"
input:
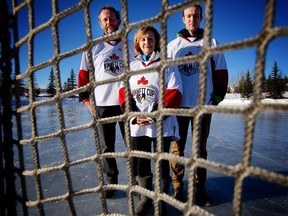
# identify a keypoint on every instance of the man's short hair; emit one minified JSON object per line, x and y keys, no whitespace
{"x":197,"y":6}
{"x":117,"y":13}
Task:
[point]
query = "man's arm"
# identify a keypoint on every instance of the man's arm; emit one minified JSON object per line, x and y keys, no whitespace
{"x":83,"y":79}
{"x":220,"y":83}
{"x":88,"y":105}
{"x":173,"y":92}
{"x":219,"y":76}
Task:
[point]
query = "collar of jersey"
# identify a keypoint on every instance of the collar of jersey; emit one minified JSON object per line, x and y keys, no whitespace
{"x":154,"y":57}
{"x":117,"y":40}
{"x":184,"y":33}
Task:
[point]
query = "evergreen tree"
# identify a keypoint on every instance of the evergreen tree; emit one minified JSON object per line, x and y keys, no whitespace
{"x":72,"y":80}
{"x":22,"y":87}
{"x":285,"y":83}
{"x":70,"y":84}
{"x":275,"y":84}
{"x":36,"y":87}
{"x":69,"y":87}
{"x":245,"y":86}
{"x":264,"y":83}
{"x":248,"y":85}
{"x":19,"y":87}
{"x":241,"y":86}
{"x":65,"y":87}
{"x":51,"y":87}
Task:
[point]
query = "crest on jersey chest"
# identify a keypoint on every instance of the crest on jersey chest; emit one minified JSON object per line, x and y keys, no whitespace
{"x":189,"y":68}
{"x":114,"y":65}
{"x":144,"y":93}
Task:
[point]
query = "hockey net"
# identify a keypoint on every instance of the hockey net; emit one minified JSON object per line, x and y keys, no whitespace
{"x":35,"y":177}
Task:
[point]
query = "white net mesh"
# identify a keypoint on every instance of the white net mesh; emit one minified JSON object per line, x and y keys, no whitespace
{"x":38,"y":174}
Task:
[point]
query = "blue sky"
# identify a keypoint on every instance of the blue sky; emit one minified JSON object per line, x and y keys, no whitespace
{"x":232,"y":21}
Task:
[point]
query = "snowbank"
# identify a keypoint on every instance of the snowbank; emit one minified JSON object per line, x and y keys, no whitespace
{"x":236,"y":100}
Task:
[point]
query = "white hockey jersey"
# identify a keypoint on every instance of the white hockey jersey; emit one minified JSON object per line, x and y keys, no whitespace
{"x":190,"y":72}
{"x":145,"y":88}
{"x":108,"y":63}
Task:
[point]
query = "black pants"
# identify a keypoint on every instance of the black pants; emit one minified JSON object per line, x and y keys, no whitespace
{"x":108,"y":136}
{"x":144,"y":143}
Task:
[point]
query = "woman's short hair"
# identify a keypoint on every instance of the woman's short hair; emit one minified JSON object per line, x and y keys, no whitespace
{"x":139,"y":34}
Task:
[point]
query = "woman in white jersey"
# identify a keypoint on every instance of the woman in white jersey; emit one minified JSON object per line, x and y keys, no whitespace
{"x":144,"y":90}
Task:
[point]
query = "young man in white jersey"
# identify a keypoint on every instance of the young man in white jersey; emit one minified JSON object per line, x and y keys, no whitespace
{"x":190,"y":42}
{"x":108,"y":63}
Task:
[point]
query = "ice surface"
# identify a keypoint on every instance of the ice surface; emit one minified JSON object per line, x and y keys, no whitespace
{"x":225,"y":146}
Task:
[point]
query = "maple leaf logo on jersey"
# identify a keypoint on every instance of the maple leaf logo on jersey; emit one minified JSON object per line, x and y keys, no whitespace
{"x":142,"y":81}
{"x":114,"y":56}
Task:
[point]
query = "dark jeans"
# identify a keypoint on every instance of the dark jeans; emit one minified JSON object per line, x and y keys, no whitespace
{"x":144,"y":143}
{"x":108,"y":137}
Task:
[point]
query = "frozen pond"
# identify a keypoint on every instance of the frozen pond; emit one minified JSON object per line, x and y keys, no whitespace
{"x":225,"y":146}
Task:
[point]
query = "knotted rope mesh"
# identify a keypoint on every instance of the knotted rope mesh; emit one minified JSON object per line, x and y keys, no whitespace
{"x":239,"y":171}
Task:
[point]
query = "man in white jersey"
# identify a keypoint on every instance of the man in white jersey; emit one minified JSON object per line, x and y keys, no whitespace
{"x":190,"y":42}
{"x":108,"y":63}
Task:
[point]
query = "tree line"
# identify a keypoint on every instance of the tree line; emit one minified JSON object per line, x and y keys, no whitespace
{"x":68,"y":85}
{"x":273,"y":87}
{"x":50,"y":90}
